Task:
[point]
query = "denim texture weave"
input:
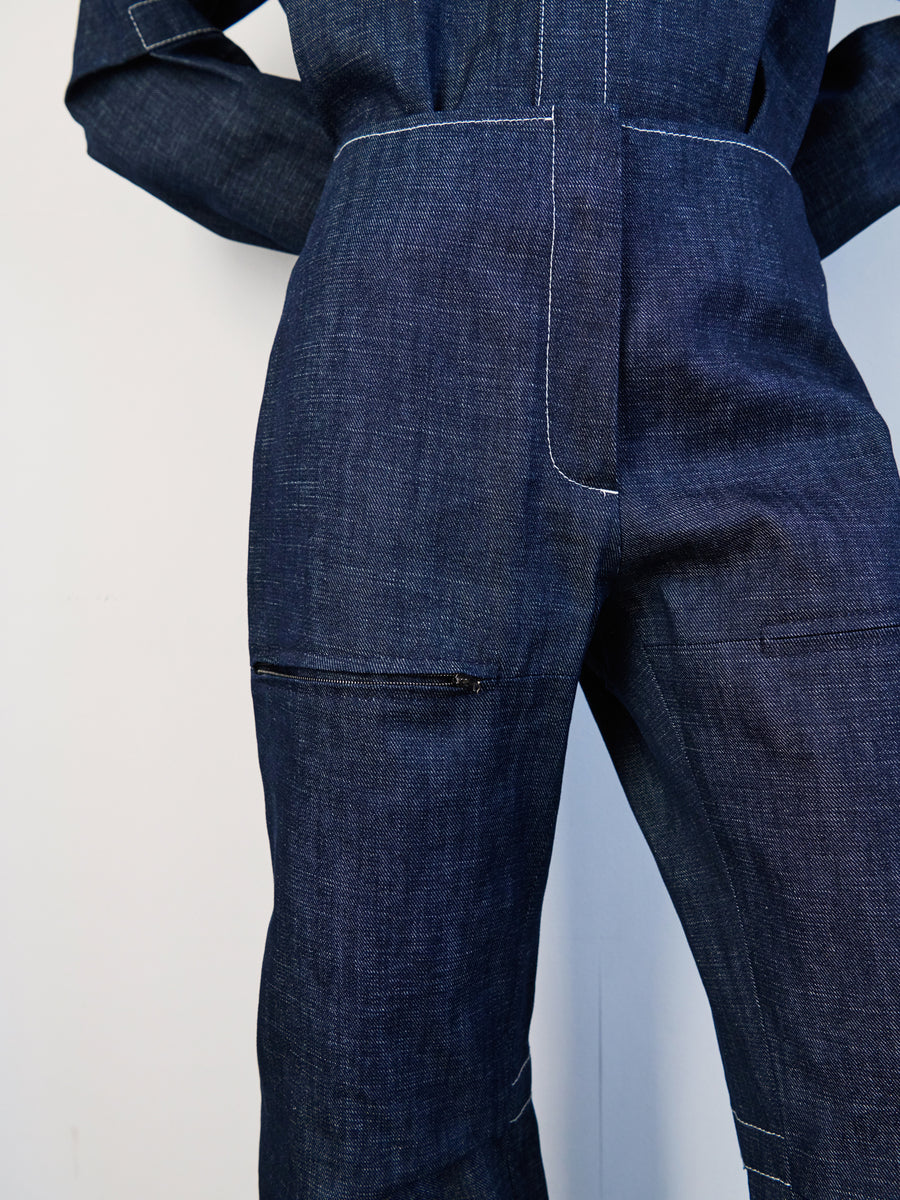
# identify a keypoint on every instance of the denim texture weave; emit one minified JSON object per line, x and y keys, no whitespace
{"x":555,"y":398}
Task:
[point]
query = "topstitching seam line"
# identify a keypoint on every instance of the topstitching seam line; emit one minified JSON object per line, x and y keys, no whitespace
{"x":696,"y":137}
{"x":591,"y":487}
{"x":540,"y":53}
{"x":164,"y":41}
{"x":605,"y":43}
{"x":737,"y":908}
{"x":498,"y":121}
{"x":521,"y":1069}
{"x":439,"y":125}
{"x":765,"y":1175}
{"x":759,"y":1127}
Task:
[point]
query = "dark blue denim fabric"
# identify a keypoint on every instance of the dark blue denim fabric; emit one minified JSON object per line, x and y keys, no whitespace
{"x":171,"y":103}
{"x":555,"y":398}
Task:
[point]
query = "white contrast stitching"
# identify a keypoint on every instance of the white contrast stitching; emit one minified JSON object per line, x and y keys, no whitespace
{"x":728,"y":875}
{"x":434,"y":124}
{"x":164,"y":41}
{"x":719,"y":141}
{"x":589,"y":486}
{"x":502,"y":121}
{"x":759,"y":1127}
{"x":765,"y":1176}
{"x":521,"y":1069}
{"x":179,"y":36}
{"x":522,"y":1109}
{"x":541,"y":55}
{"x":605,"y":44}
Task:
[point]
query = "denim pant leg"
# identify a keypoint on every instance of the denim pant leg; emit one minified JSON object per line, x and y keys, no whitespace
{"x":745,"y":672}
{"x":558,"y":393}
{"x":433,"y":526}
{"x":410,"y":824}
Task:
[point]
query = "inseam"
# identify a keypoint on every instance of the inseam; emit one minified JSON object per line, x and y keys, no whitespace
{"x":776,"y":1082}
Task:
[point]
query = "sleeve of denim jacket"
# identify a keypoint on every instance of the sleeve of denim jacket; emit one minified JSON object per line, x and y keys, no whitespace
{"x":169,"y":102}
{"x":848,"y":163}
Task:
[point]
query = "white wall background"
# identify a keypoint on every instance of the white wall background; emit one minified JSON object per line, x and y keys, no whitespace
{"x":135,"y":882}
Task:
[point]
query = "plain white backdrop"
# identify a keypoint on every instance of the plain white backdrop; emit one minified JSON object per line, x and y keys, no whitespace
{"x":135,"y":884}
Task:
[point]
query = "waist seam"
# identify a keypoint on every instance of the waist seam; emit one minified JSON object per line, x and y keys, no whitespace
{"x":545,"y":114}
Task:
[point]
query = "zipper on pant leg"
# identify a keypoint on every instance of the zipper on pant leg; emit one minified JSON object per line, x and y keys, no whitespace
{"x":456,"y":679}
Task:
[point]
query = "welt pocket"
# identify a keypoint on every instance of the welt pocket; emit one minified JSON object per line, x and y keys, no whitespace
{"x":808,"y":634}
{"x":452,"y":680}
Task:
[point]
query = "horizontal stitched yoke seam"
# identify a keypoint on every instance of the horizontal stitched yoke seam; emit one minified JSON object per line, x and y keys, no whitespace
{"x":440,"y":125}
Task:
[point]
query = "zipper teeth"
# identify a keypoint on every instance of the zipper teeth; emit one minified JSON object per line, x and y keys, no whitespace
{"x":424,"y":679}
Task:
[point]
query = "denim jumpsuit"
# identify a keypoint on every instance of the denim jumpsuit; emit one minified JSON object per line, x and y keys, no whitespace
{"x":554,"y":398}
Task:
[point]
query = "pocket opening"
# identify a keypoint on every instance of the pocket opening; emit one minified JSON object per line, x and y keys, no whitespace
{"x":792,"y":636}
{"x":451,"y":679}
